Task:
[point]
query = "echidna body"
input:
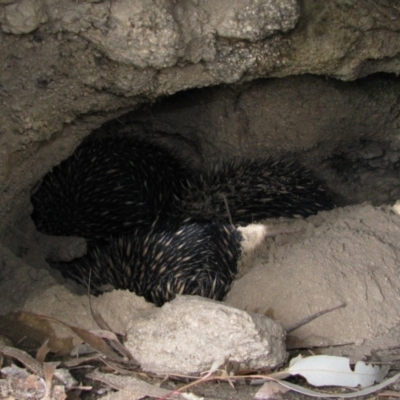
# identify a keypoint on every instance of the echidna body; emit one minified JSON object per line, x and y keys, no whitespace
{"x":252,"y":190}
{"x":107,"y":187}
{"x":198,"y":258}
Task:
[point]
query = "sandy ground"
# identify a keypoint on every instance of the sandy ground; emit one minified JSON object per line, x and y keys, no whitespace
{"x":348,"y":256}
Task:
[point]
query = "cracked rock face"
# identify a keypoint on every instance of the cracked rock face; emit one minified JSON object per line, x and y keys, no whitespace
{"x":189,"y":334}
{"x":149,"y":34}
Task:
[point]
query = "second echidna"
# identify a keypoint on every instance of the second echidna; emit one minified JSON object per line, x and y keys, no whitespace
{"x":192,"y":257}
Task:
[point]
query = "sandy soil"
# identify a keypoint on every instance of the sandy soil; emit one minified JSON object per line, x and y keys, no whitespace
{"x":348,"y":257}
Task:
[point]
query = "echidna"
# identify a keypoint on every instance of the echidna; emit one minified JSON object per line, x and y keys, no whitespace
{"x":192,"y":257}
{"x":108,"y":187}
{"x":157,"y":228}
{"x":252,"y":190}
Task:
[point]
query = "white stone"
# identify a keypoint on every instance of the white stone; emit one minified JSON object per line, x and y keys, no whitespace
{"x":187,"y":335}
{"x":23,"y":17}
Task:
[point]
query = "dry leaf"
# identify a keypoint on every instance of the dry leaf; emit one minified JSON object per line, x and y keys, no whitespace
{"x":32,"y":330}
{"x":357,"y":393}
{"x":270,"y":390}
{"x":335,"y":371}
{"x":131,"y":387}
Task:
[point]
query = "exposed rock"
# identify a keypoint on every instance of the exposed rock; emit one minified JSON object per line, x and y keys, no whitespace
{"x":142,"y":32}
{"x":252,"y":20}
{"x":157,"y":34}
{"x":23,"y":17}
{"x":187,"y":335}
{"x":116,"y":308}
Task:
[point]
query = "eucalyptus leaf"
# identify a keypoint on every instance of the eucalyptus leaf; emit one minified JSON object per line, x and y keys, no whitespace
{"x":357,"y":393}
{"x":335,"y":371}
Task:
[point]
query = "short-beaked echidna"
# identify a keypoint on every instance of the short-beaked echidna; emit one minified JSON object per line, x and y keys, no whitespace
{"x":192,"y":257}
{"x":108,"y":187}
{"x":252,"y":190}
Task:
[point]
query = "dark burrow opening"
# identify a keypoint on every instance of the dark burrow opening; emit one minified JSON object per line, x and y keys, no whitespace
{"x":347,"y":133}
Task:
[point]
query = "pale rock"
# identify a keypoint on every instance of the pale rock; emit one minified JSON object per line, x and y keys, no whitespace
{"x":23,"y":17}
{"x":187,"y":335}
